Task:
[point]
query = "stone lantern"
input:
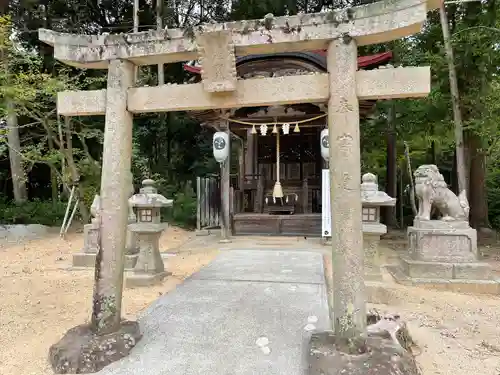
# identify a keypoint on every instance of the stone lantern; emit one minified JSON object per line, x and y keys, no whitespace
{"x":87,"y":257}
{"x":149,"y":268}
{"x":372,"y":200}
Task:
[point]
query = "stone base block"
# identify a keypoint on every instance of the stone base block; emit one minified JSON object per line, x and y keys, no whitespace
{"x":87,"y":260}
{"x":381,"y":356}
{"x":438,"y":241}
{"x":441,"y":270}
{"x":81,"y":351}
{"x":133,"y":279}
{"x":84,"y":260}
{"x":130,"y":261}
{"x":373,"y":276}
{"x":207,"y":232}
{"x":458,"y":277}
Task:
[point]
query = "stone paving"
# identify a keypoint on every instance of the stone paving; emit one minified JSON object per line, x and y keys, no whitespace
{"x":250,"y":312}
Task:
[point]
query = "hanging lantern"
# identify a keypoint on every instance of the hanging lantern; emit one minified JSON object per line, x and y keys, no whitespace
{"x":286,"y":128}
{"x":296,"y":129}
{"x":325,"y":144}
{"x":263,"y":129}
{"x":275,"y":129}
{"x":254,"y":131}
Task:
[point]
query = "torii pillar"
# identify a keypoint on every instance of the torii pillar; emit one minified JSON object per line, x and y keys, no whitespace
{"x":345,"y":187}
{"x":115,"y":185}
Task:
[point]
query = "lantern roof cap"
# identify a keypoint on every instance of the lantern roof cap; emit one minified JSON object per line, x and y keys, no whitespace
{"x":148,"y":197}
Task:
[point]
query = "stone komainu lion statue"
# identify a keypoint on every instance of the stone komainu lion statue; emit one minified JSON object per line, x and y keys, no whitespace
{"x":432,"y":190}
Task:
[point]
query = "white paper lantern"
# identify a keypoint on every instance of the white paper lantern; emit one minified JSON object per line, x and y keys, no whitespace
{"x":286,"y":128}
{"x":220,"y":146}
{"x":325,"y":144}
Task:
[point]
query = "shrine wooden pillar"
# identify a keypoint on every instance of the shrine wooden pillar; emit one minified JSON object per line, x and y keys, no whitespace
{"x":345,"y":187}
{"x":239,"y":194}
{"x":250,"y":153}
{"x":225,"y":188}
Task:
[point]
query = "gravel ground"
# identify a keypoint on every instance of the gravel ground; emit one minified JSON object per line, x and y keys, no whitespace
{"x":40,"y":299}
{"x":458,"y":334}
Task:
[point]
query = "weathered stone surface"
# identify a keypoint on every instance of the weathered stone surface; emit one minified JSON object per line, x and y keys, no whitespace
{"x":81,"y":351}
{"x":149,"y":267}
{"x":380,"y":84}
{"x":386,"y":351}
{"x":149,"y":259}
{"x":442,"y":241}
{"x":447,"y":270}
{"x":86,"y":260}
{"x":431,"y":270}
{"x":91,"y":237}
{"x":432,"y":191}
{"x":372,"y":199}
{"x":372,"y":23}
{"x":217,"y":59}
{"x":137,"y":280}
{"x":115,"y":185}
{"x":443,"y":253}
{"x":20,"y":233}
{"x":345,"y":187}
{"x":372,"y":258}
{"x":478,"y":280}
{"x":383,"y":358}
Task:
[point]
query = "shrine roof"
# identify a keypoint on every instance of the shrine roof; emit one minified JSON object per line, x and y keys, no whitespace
{"x":316,"y":57}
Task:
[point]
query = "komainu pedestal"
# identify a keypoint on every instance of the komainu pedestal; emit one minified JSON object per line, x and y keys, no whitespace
{"x":443,"y":252}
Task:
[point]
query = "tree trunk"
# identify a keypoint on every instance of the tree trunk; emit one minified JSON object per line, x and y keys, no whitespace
{"x":75,"y":176}
{"x":478,"y":198}
{"x":53,"y":173}
{"x":455,"y":101}
{"x":4,"y":7}
{"x":16,"y":166}
{"x":391,"y":183}
{"x":159,"y":27}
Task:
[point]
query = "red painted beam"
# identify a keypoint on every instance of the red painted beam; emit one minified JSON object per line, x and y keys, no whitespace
{"x":363,"y":61}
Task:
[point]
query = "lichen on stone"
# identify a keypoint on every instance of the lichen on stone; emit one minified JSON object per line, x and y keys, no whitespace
{"x":268,"y":21}
{"x":246,"y":29}
{"x":189,"y":33}
{"x":332,"y":18}
{"x":346,"y":38}
{"x":350,"y":13}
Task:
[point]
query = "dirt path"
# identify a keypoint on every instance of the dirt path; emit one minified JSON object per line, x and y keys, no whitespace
{"x":40,"y":300}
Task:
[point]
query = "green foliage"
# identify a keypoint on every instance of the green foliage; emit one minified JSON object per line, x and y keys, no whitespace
{"x":34,"y":212}
{"x":183,"y":212}
{"x":173,"y":149}
{"x":493,"y":185}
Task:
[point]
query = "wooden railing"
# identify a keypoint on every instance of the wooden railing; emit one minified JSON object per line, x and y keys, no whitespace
{"x":208,"y":205}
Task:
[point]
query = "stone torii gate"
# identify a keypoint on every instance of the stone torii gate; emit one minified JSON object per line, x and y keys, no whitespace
{"x":216,"y":45}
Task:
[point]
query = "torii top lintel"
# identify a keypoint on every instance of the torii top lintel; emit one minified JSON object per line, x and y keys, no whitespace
{"x":373,"y":23}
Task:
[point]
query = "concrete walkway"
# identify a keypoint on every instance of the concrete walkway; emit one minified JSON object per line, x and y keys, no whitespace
{"x":250,"y":312}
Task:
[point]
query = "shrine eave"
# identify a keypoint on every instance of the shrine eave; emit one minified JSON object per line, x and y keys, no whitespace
{"x":317,"y":57}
